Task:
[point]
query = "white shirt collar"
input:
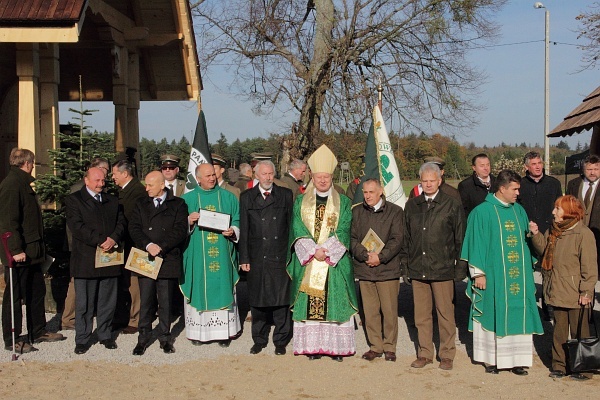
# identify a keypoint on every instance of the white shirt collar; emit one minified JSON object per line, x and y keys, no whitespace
{"x":262,"y":191}
{"x":323,"y":194}
{"x":378,"y":205}
{"x":431,"y":197}
{"x":92,"y":193}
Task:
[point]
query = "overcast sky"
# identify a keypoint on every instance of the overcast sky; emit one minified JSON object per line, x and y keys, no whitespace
{"x":513,"y":95}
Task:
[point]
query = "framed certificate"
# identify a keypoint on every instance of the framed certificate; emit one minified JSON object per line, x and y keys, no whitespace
{"x":141,"y":262}
{"x":372,"y":242}
{"x":215,"y":221}
{"x":109,"y":258}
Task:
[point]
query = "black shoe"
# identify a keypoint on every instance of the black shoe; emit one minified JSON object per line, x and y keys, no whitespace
{"x":110,"y":344}
{"x":197,"y":342}
{"x":579,"y":377}
{"x":257,"y":348}
{"x":337,"y":358}
{"x":556,"y":374}
{"x":280,"y":350}
{"x":314,"y":356}
{"x":140,"y":349}
{"x":519,"y":371}
{"x":81,"y":349}
{"x":491,"y":369}
{"x":167,"y":347}
{"x":224,"y":343}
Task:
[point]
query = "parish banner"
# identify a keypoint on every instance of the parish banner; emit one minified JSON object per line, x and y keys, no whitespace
{"x":199,"y":153}
{"x":380,"y":163}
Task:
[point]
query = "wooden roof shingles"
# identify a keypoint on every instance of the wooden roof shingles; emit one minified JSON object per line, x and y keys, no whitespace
{"x":42,"y":12}
{"x":582,"y":118}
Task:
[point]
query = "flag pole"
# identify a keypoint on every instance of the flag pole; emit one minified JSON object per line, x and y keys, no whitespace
{"x":379,"y":96}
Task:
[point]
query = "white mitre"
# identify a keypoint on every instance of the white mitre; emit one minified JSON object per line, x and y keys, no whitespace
{"x":322,"y":160}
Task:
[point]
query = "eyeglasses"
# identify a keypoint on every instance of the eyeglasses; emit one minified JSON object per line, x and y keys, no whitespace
{"x":168,"y":168}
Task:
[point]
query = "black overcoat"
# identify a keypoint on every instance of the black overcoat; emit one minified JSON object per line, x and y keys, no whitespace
{"x":91,"y":222}
{"x":263,"y":243}
{"x":20,"y":214}
{"x":166,"y":226}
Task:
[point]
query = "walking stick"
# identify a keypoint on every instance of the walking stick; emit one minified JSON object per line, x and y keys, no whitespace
{"x":5,"y":237}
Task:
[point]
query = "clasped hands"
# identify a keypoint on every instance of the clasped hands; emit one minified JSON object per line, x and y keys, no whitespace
{"x":373,"y":259}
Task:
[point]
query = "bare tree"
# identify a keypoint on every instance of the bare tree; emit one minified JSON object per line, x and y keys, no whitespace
{"x":324,"y":58}
{"x":590,"y":31}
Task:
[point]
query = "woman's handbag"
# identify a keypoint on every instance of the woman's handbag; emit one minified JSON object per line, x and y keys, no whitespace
{"x":584,"y":354}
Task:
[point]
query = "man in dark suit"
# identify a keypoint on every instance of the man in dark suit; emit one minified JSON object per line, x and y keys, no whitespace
{"x":68,"y":315}
{"x":585,"y":189}
{"x":127,"y":313}
{"x":265,"y":215}
{"x":96,"y":221}
{"x":21,"y":215}
{"x":158,"y":225}
{"x":476,"y":187}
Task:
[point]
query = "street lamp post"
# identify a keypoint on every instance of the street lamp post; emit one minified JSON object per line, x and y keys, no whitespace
{"x":546,"y":90}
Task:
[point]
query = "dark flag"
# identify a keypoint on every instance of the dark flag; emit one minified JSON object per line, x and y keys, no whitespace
{"x":371,"y":169}
{"x":574,"y":163}
{"x":199,"y":153}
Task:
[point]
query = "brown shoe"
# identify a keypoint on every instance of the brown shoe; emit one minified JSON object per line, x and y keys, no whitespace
{"x":50,"y":337}
{"x":21,"y":348}
{"x":390,"y":356}
{"x":371,"y":355}
{"x":446,"y":364}
{"x":130,"y":330}
{"x":420,"y":362}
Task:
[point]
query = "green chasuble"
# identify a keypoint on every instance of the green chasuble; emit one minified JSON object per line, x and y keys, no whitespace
{"x":210,"y":259}
{"x":340,"y":293}
{"x":496,"y":243}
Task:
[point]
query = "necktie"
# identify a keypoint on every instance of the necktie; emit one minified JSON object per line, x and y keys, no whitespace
{"x":158,"y":200}
{"x":98,"y":199}
{"x":588,"y":195}
{"x":267,"y":194}
{"x":429,"y":201}
{"x":171,"y":187}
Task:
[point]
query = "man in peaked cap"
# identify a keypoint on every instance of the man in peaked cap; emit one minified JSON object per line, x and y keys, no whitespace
{"x":169,"y":166}
{"x":220,"y":165}
{"x":323,"y":297}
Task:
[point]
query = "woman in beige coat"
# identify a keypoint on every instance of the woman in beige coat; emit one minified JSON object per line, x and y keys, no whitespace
{"x":570,"y":273}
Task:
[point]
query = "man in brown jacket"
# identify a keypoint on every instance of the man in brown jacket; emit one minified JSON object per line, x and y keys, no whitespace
{"x":377,"y":266}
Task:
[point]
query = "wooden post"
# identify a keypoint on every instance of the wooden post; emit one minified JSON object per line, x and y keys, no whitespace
{"x":49,"y":123}
{"x":120,"y":96}
{"x":28,"y":71}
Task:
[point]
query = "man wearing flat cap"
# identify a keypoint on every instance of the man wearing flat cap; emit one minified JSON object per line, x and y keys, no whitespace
{"x":169,"y":166}
{"x":444,"y":187}
{"x":220,"y":165}
{"x":323,"y":296}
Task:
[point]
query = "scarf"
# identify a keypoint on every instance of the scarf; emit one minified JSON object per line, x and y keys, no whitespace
{"x":558,"y":228}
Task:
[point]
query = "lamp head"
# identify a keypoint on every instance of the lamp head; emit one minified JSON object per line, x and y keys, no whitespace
{"x":538,"y":4}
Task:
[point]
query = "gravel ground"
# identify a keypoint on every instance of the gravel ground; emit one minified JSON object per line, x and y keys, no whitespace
{"x":185,"y":351}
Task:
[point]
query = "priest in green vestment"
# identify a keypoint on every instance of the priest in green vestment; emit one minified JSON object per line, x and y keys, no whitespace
{"x":504,"y":313}
{"x":210,"y":270}
{"x":323,"y":295}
